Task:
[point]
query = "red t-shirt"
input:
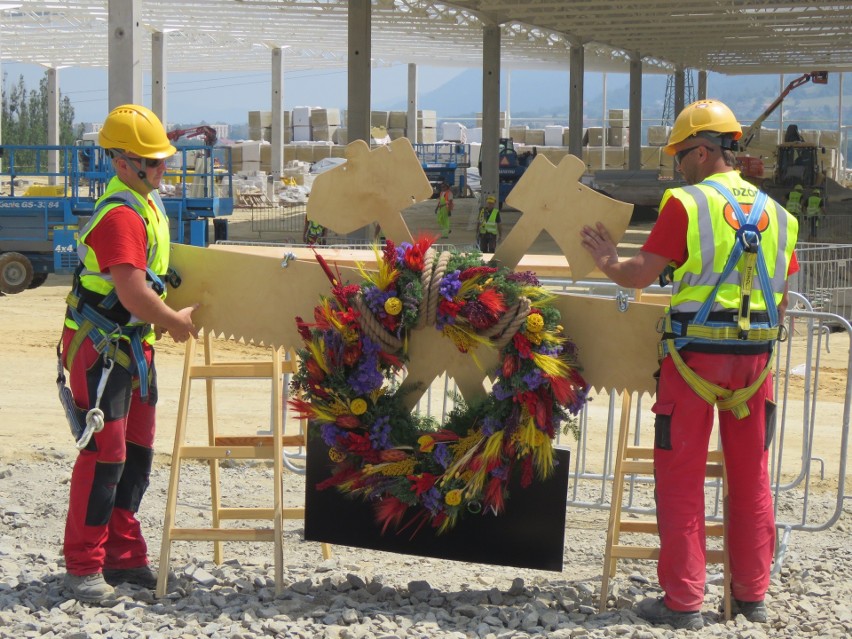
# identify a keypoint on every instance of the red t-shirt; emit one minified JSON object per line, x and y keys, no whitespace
{"x":668,"y":235}
{"x":120,"y":238}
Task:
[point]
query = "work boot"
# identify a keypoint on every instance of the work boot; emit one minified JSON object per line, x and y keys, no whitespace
{"x":88,"y":588}
{"x":754,"y":611}
{"x":655,"y":610}
{"x":141,"y":576}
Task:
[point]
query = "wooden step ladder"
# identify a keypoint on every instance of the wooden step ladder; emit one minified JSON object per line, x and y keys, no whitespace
{"x":639,"y":460}
{"x":219,"y":447}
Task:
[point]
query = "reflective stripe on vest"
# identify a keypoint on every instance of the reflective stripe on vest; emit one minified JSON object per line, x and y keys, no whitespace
{"x":794,"y":202}
{"x":489,"y":224}
{"x":710,"y":239}
{"x":156,"y":228}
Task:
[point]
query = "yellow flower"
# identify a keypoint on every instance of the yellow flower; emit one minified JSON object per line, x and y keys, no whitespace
{"x":453,"y":498}
{"x":426,"y":443}
{"x":535,"y":323}
{"x":358,"y":406}
{"x":393,"y":306}
{"x":534,"y":338}
{"x":335,"y":455}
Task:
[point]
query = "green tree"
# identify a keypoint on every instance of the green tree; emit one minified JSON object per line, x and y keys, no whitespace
{"x":25,"y":120}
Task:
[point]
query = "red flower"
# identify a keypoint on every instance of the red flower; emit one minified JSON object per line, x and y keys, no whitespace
{"x":392,"y":455}
{"x":351,"y":354}
{"x":389,"y":252}
{"x":302,"y":327}
{"x":510,"y":366}
{"x":414,"y":258}
{"x":494,"y":495}
{"x":523,"y":345}
{"x":450,"y":307}
{"x":347,"y":421}
{"x":389,"y":512}
{"x":422,"y":483}
{"x":315,"y":373}
{"x":526,"y":471}
{"x":476,"y":271}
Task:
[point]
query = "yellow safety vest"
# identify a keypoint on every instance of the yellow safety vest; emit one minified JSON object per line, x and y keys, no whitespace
{"x":158,"y":237}
{"x":711,"y":234}
{"x":814,"y":205}
{"x":794,"y":202}
{"x":488,"y":224}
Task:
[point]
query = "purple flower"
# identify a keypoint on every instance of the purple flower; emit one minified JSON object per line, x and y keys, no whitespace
{"x":501,"y":393}
{"x":432,"y":500}
{"x":330,"y":433}
{"x":525,"y":277}
{"x":442,"y":455}
{"x":490,"y":425}
{"x":533,"y":379}
{"x":367,"y":375}
{"x":400,"y":253}
{"x":450,"y":285}
{"x":380,"y":433}
{"x":376,"y":299}
{"x":501,"y":472}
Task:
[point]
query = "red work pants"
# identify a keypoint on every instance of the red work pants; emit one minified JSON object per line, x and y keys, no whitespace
{"x":111,"y":473}
{"x":682,"y":433}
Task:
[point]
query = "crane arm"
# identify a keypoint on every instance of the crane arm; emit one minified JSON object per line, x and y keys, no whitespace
{"x":208,"y":132}
{"x":817,"y":77}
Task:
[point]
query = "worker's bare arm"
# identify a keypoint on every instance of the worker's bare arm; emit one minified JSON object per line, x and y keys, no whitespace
{"x":138,"y":298}
{"x":637,"y":272}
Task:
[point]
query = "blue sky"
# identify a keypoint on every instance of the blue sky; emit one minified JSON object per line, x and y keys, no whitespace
{"x":228,"y":97}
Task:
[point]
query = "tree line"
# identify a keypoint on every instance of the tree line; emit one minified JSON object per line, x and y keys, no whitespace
{"x":24,"y":120}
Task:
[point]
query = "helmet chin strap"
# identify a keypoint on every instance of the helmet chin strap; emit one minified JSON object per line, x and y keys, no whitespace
{"x":140,"y":172}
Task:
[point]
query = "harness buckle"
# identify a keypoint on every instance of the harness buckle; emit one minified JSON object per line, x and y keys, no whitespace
{"x":174,"y":280}
{"x":782,"y":333}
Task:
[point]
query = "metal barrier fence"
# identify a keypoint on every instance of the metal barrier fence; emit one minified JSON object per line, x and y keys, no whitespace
{"x":825,"y":276}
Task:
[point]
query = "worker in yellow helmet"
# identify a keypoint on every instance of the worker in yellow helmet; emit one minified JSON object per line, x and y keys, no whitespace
{"x":489,"y":229}
{"x":732,"y":250}
{"x":794,"y":201}
{"x":117,"y":298}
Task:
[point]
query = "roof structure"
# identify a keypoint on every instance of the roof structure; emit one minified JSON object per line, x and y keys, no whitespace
{"x":726,"y":36}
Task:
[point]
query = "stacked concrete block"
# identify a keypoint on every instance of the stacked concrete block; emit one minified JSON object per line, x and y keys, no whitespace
{"x":517,"y":133}
{"x":535,"y":137}
{"x":649,"y":157}
{"x":502,"y":119}
{"x":617,"y":136}
{"x":595,"y":135}
{"x":454,"y":132}
{"x":619,"y":118}
{"x":553,"y":135}
{"x":658,"y":135}
{"x":427,"y":122}
{"x":379,"y":118}
{"x":566,"y":137}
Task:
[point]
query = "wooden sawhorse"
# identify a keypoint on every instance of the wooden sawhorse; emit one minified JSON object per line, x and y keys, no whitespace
{"x":220,"y":447}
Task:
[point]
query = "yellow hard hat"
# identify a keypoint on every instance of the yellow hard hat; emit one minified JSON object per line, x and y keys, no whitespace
{"x":491,"y":198}
{"x":136,"y":129}
{"x":798,"y":187}
{"x":706,"y":117}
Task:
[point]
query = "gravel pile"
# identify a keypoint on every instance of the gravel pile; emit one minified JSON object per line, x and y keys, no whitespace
{"x":359,"y":593}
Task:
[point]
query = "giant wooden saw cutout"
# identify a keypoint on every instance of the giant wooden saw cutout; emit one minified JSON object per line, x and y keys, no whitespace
{"x":256,"y":297}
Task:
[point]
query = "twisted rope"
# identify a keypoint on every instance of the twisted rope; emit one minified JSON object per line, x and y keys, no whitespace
{"x":425,"y":285}
{"x":374,"y":329}
{"x":430,"y":279}
{"x":521,"y":311}
{"x":435,"y":285}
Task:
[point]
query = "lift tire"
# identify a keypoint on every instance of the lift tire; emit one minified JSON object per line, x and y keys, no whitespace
{"x":16,"y":273}
{"x":38,"y":280}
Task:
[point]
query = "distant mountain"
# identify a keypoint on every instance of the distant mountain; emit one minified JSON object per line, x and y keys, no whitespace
{"x":542,"y":97}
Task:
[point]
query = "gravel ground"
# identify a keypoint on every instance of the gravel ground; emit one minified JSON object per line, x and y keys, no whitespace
{"x":360,"y":593}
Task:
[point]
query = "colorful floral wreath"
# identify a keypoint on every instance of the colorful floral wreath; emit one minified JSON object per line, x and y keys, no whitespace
{"x":409,"y":464}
